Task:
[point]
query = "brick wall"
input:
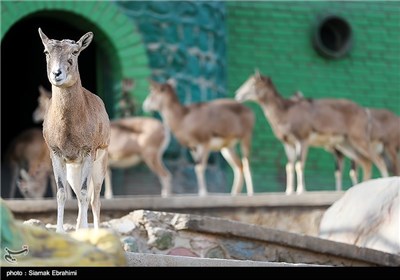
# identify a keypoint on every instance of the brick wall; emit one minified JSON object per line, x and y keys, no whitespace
{"x":276,"y":38}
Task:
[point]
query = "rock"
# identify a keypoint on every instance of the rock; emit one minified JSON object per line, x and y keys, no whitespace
{"x":157,"y":225}
{"x":71,"y":228}
{"x":104,"y":240}
{"x":216,"y":253}
{"x":202,"y":244}
{"x":35,"y":222}
{"x":367,"y":215}
{"x":51,"y":227}
{"x":160,"y":238}
{"x":123,"y":225}
{"x":67,"y":227}
{"x":11,"y":236}
{"x":130,"y":244}
{"x":182,"y":251}
{"x":37,"y":246}
{"x":243,"y":250}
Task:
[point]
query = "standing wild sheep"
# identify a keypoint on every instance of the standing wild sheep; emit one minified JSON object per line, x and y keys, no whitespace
{"x":76,"y":129}
{"x":208,"y":126}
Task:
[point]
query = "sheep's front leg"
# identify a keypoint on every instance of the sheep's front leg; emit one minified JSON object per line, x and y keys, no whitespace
{"x":108,"y":193}
{"x":353,"y":173}
{"x":153,"y":159}
{"x":83,"y":195}
{"x":291,"y":157}
{"x":236,"y":165}
{"x":99,"y":171}
{"x":301,"y":154}
{"x":392,"y":154}
{"x":348,"y":150}
{"x":59,"y":169}
{"x":338,"y":169}
{"x":200,"y":155}
{"x":14,"y":177}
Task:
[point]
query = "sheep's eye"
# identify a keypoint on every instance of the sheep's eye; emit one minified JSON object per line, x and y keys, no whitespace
{"x":75,"y":53}
{"x":46,"y":52}
{"x":70,"y":61}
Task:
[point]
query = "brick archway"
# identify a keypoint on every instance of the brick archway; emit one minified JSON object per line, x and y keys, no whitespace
{"x":115,"y":32}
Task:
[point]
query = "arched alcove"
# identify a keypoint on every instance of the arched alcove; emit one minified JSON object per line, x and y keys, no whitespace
{"x":116,"y":54}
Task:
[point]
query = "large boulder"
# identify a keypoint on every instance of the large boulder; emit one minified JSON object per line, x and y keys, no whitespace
{"x":368,"y":215}
{"x":32,"y":245}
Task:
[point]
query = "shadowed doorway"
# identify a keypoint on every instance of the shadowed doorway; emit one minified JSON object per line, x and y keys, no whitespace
{"x":24,"y":69}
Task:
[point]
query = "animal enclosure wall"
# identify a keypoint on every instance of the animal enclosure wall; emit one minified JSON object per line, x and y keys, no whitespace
{"x":276,"y":37}
{"x":210,"y":48}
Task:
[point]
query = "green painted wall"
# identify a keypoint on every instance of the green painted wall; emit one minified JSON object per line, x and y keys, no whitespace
{"x":276,"y":38}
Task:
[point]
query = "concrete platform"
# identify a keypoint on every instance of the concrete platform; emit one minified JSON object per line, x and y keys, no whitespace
{"x":294,"y":213}
{"x":262,"y":246}
{"x":176,"y":202}
{"x":154,"y":260}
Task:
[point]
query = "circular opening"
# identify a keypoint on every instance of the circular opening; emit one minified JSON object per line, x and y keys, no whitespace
{"x":333,"y":37}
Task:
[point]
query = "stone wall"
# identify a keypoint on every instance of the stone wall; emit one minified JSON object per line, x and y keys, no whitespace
{"x":173,"y":234}
{"x":267,"y":228}
{"x":195,"y":236}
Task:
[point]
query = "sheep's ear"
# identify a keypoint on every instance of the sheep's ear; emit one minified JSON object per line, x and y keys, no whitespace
{"x":85,"y":41}
{"x":299,"y":94}
{"x":43,"y":36}
{"x":152,"y":83}
{"x":44,"y":92}
{"x":41,"y":89}
{"x":257,"y":73}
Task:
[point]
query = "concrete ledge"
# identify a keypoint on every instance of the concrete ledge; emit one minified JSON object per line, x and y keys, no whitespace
{"x":184,"y":202}
{"x":153,"y":260}
{"x":302,"y":243}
